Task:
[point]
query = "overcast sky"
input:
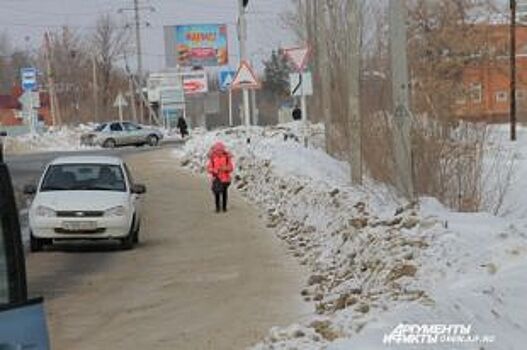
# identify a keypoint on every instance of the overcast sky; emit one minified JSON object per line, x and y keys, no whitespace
{"x":30,"y":18}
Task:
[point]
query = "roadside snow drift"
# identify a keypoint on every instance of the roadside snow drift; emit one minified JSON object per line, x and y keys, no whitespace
{"x":63,"y":139}
{"x":375,"y":261}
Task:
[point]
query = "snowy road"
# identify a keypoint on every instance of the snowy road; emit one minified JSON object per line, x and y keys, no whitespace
{"x":198,"y":280}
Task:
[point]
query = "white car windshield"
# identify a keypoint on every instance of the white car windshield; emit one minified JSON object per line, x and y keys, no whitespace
{"x":84,"y":177}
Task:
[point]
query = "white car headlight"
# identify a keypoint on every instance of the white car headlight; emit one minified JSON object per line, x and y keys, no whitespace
{"x":116,"y":211}
{"x":45,"y":212}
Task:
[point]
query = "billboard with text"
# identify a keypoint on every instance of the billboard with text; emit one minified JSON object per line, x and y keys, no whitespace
{"x":192,"y":45}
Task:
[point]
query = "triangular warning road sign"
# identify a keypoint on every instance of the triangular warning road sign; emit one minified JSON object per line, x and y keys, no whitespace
{"x":120,"y":101}
{"x":245,"y":78}
{"x":298,"y":56}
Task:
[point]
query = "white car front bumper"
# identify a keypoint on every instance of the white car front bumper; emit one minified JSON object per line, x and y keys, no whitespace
{"x":80,"y":228}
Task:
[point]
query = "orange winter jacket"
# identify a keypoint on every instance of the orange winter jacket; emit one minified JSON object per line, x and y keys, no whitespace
{"x":220,"y":164}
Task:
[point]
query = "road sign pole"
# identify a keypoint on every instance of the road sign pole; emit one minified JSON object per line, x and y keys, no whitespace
{"x":31,"y":114}
{"x":303,"y":104}
{"x":246,"y":107}
{"x":254,"y":108}
{"x":299,"y":57}
{"x":245,"y":79}
{"x":120,"y":112}
{"x":231,"y":123}
{"x":29,"y":85}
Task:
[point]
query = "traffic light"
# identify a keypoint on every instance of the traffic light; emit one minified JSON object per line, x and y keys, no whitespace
{"x":245,"y":3}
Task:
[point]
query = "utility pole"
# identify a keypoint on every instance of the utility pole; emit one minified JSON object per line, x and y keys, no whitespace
{"x":139,"y":56}
{"x":513,"y":70}
{"x":354,"y":116}
{"x":325,"y":78}
{"x":242,"y":35}
{"x":400,"y":95}
{"x":51,"y":82}
{"x":132,"y":99}
{"x":95,"y":85}
{"x":139,"y":51}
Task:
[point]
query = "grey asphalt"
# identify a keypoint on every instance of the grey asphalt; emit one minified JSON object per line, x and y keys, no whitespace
{"x":198,"y":280}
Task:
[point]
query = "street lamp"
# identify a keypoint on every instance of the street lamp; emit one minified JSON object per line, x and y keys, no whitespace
{"x":518,"y":14}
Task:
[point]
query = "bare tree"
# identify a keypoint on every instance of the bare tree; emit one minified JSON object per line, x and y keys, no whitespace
{"x":68,"y":67}
{"x":11,"y":61}
{"x":5,"y":71}
{"x":109,"y":43}
{"x":5,"y":53}
{"x":444,"y":38}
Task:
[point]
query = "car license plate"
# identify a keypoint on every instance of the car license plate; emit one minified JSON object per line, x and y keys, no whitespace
{"x":79,"y":225}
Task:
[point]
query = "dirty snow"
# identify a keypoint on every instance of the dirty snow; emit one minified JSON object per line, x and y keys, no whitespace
{"x":60,"y":139}
{"x":375,"y":261}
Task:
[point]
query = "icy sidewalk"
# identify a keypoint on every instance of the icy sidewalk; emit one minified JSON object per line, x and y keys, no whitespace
{"x":374,"y":261}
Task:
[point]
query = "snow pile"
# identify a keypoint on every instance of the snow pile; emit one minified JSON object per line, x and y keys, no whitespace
{"x":473,"y":273}
{"x":374,"y":262}
{"x":62,"y":139}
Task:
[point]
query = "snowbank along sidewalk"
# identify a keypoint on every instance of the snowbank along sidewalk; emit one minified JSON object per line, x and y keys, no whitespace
{"x":375,"y":261}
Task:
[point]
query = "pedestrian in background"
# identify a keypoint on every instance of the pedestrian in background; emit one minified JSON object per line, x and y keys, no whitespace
{"x":220,"y":167}
{"x":297,"y":113}
{"x":182,"y":126}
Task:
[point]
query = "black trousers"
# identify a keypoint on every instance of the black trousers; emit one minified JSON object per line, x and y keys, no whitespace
{"x":221,"y":195}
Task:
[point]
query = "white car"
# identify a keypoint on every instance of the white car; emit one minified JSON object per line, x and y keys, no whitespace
{"x":114,"y":134}
{"x":85,"y":198}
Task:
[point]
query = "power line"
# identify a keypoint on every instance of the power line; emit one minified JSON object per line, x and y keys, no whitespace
{"x":138,"y":10}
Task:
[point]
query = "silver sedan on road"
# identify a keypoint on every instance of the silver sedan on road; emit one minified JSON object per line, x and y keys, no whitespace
{"x":113,"y":134}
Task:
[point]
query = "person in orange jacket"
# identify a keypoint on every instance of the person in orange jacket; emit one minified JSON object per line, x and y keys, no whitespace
{"x":220,"y":167}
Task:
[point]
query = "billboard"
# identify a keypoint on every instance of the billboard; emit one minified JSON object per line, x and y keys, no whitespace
{"x":159,"y":81}
{"x":195,"y":82}
{"x":193,"y":45}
